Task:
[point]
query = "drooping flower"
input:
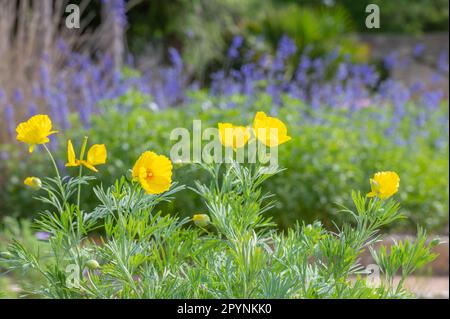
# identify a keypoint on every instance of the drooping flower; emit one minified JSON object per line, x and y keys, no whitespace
{"x":33,"y":182}
{"x":95,"y":156}
{"x":384,"y":184}
{"x":201,"y":220}
{"x":233,"y":136}
{"x":269,"y":130}
{"x":153,"y":172}
{"x":35,"y":131}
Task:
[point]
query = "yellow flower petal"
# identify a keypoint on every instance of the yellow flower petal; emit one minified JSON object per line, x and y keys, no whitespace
{"x":233,"y":136}
{"x":28,"y":181}
{"x":97,"y":154}
{"x":154,"y":172}
{"x":71,"y":159}
{"x":35,"y":131}
{"x":156,"y":184}
{"x":384,"y":184}
{"x":33,"y":182}
{"x":89,"y":165}
{"x":269,"y":130}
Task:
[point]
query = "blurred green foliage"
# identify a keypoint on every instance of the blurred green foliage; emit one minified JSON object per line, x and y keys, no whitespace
{"x":331,"y":153}
{"x":18,"y":283}
{"x":321,"y":29}
{"x":202,"y":29}
{"x":198,"y":28}
{"x":401,"y":16}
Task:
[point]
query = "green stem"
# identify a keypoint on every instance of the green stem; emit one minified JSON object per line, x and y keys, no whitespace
{"x":400,"y":284}
{"x":53,"y":161}
{"x":70,"y":245}
{"x":83,"y":150}
{"x":205,"y":230}
{"x":61,"y":188}
{"x":131,"y":194}
{"x":79,"y":185}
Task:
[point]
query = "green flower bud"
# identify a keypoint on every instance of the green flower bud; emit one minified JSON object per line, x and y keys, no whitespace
{"x":129,"y":175}
{"x":92,"y":264}
{"x":201,"y":220}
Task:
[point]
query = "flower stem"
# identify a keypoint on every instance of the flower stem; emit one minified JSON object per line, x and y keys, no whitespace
{"x":61,"y":188}
{"x":83,"y":150}
{"x":53,"y":161}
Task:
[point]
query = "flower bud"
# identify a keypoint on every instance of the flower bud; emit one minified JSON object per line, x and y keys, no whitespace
{"x":92,"y":264}
{"x":129,"y":175}
{"x":201,"y":220}
{"x":33,"y":182}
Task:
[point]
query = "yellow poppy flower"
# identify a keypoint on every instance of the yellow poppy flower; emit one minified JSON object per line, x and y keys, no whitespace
{"x":384,"y":184}
{"x":33,"y":182}
{"x":153,"y":172}
{"x":35,"y":131}
{"x":269,"y":130}
{"x":95,"y":156}
{"x":233,"y":136}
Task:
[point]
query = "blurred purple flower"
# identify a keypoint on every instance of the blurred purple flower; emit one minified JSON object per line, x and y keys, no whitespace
{"x":417,"y":87}
{"x":119,"y":9}
{"x":432,"y":99}
{"x":32,"y":109}
{"x":442,"y":63}
{"x":4,"y":156}
{"x":10,"y":120}
{"x":2,"y":96}
{"x":44,"y":75}
{"x":390,"y":61}
{"x":418,"y":50}
{"x":236,"y":43}
{"x":342,"y":72}
{"x":41,"y":235}
{"x":286,"y":48}
{"x":175,"y":58}
{"x":62,"y":46}
{"x":18,"y":97}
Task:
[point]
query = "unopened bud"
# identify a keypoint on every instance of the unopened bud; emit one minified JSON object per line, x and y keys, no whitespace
{"x":33,"y":182}
{"x":201,"y":220}
{"x":92,"y":264}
